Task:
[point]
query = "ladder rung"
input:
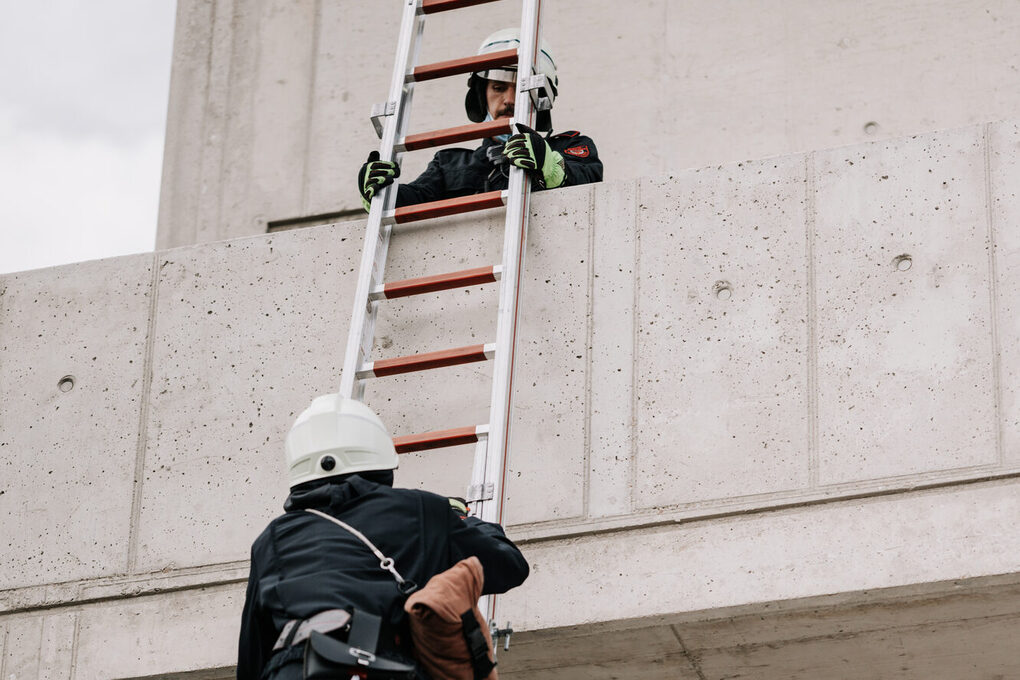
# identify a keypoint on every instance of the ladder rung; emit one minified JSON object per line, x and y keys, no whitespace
{"x":441,"y":69}
{"x":433,"y":6}
{"x":445,"y":207}
{"x":439,"y":439}
{"x":461,"y":133}
{"x":431,"y":284}
{"x":427,"y":361}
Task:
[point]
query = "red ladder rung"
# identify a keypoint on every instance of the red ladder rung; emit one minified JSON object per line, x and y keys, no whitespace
{"x":442,"y":69}
{"x":436,"y":440}
{"x":432,"y":284}
{"x":427,"y":361}
{"x":446,"y":207}
{"x":461,"y":133}
{"x":433,"y":6}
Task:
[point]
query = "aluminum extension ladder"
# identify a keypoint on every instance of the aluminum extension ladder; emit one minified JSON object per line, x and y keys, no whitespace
{"x":486,"y":492}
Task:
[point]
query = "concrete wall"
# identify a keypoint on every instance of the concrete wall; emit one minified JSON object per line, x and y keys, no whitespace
{"x":747,"y":440}
{"x":269,"y":100}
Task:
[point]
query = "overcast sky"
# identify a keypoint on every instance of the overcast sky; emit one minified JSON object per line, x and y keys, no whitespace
{"x":83,"y":97}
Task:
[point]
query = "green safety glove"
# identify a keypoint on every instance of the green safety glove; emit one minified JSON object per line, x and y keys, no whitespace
{"x":529,"y":151}
{"x":373,"y":176}
{"x":460,"y":505}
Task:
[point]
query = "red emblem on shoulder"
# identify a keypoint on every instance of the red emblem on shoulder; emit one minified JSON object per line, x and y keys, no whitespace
{"x":579,"y":151}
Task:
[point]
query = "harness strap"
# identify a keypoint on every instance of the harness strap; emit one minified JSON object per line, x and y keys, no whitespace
{"x":295,"y":631}
{"x":478,"y":648}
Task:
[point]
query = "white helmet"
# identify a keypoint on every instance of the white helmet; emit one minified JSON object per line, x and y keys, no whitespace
{"x":508,"y":39}
{"x":337,"y":436}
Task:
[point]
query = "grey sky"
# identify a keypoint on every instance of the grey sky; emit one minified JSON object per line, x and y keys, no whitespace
{"x":83,"y":97}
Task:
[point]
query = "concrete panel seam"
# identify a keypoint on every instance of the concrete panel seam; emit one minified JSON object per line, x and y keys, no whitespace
{"x":39,"y":648}
{"x":74,"y":644}
{"x":865,"y":630}
{"x":589,"y":345}
{"x":656,"y":520}
{"x":993,"y":300}
{"x":3,"y":653}
{"x":812,"y":321}
{"x":200,"y":181}
{"x":143,"y":416}
{"x":174,"y":149}
{"x":131,"y":589}
{"x":223,"y":146}
{"x":691,"y":659}
{"x":310,"y":107}
{"x":635,"y":346}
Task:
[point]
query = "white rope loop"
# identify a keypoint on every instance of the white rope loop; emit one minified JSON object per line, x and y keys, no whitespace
{"x":385,"y":563}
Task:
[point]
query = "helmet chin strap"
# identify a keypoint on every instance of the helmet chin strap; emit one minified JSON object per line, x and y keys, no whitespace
{"x":499,"y":138}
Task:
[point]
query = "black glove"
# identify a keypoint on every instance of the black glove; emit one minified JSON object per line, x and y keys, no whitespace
{"x":374,"y":175}
{"x":529,"y":151}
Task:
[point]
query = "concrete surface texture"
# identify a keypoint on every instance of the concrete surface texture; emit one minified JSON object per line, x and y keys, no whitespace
{"x":767,"y":423}
{"x":269,"y":101}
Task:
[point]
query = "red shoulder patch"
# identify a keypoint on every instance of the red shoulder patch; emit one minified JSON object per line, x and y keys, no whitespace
{"x":578,"y":151}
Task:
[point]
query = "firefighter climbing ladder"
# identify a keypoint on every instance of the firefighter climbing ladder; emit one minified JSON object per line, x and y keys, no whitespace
{"x":391,"y":121}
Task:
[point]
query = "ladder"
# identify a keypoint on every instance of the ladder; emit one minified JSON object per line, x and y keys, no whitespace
{"x":488,"y":478}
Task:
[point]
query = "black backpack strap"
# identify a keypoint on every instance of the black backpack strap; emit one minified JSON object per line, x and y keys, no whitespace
{"x":478,"y":648}
{"x":364,"y":635}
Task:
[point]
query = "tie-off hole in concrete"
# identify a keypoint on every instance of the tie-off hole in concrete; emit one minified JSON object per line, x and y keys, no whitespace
{"x":870,"y":128}
{"x":66,"y":384}
{"x":903,"y":262}
{"x":723,"y":290}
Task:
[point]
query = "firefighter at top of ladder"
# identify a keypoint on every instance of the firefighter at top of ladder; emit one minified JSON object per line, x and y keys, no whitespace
{"x":564,"y":159}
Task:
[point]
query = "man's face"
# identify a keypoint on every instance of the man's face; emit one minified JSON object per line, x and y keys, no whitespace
{"x":500,"y":98}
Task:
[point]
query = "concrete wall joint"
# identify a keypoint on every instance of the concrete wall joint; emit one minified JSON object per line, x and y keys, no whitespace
{"x":561,"y":530}
{"x":812,"y":322}
{"x":313,"y":74}
{"x":589,"y":345}
{"x":143,"y":416}
{"x":636,"y":347}
{"x":54,"y":596}
{"x":692,"y":659}
{"x":993,"y":301}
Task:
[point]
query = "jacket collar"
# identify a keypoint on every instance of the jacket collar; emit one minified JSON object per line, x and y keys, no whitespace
{"x":332,"y":493}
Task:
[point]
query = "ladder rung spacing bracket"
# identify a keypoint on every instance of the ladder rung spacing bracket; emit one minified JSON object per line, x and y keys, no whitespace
{"x":442,"y":69}
{"x":480,"y":492}
{"x":533,"y":84}
{"x":427,"y":361}
{"x":440,"y":439}
{"x":438,"y":282}
{"x":461,"y":133}
{"x":434,"y":6}
{"x":445,"y":208}
{"x":379,"y":112}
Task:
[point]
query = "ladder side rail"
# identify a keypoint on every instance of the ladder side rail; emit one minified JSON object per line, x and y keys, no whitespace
{"x":514,"y":241}
{"x":492,"y":470}
{"x":360,"y":335}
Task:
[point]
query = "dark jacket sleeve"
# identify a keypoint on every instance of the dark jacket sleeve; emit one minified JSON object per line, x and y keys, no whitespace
{"x":428,"y":186}
{"x":257,"y":633}
{"x":580,"y":158}
{"x":502,"y":562}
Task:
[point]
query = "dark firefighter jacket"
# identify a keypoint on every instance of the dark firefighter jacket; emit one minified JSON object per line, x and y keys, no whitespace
{"x":302,"y":564}
{"x":462,"y":172}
